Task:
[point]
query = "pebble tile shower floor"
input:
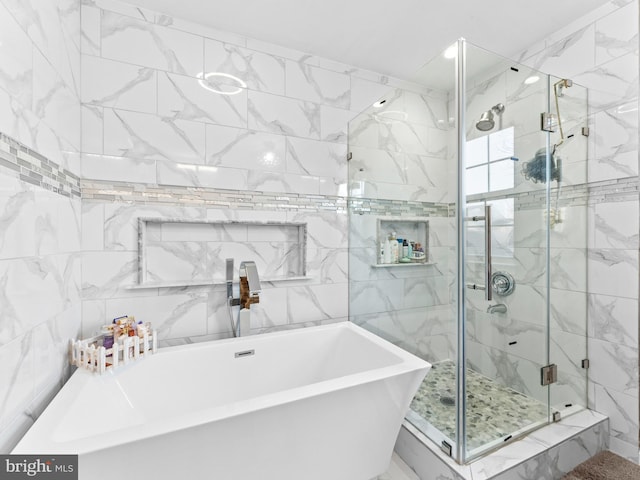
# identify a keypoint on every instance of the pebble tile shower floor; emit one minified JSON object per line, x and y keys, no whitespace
{"x":493,"y":411}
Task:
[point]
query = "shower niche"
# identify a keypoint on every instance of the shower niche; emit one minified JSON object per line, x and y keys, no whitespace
{"x":414,"y":230}
{"x":462,"y":158}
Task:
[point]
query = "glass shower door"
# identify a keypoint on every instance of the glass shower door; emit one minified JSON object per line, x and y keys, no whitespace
{"x":505,"y":161}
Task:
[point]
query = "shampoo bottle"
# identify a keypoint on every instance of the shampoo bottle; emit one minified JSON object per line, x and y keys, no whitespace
{"x":394,"y":248}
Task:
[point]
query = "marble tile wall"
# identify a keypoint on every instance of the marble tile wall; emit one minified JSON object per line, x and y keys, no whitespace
{"x":600,"y":52}
{"x":400,"y":151}
{"x":39,"y":205}
{"x":158,"y":141}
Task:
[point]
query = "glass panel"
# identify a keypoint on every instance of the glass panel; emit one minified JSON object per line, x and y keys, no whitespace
{"x":505,"y":337}
{"x":403,"y":180}
{"x":568,"y":244}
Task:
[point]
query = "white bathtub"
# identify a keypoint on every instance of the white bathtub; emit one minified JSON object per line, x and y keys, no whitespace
{"x":314,"y":403}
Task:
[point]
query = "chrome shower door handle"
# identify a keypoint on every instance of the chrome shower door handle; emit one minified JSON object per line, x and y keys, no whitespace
{"x":488,"y":292}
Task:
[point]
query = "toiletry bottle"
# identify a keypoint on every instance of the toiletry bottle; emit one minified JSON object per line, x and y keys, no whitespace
{"x":399,"y":250}
{"x":394,"y":247}
{"x":405,"y":249}
{"x":381,"y":253}
{"x":107,"y":336}
{"x":387,"y":251}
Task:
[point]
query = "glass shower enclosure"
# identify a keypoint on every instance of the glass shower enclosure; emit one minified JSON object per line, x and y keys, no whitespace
{"x":467,"y":243}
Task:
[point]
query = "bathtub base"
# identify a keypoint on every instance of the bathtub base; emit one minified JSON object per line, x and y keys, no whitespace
{"x":549,"y":452}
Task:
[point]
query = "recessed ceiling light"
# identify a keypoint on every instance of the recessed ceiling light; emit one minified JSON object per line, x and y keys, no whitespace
{"x":532,"y":79}
{"x":379,"y":104}
{"x":451,"y":52}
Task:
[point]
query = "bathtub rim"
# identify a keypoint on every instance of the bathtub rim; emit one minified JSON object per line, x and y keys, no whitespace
{"x":40,"y":437}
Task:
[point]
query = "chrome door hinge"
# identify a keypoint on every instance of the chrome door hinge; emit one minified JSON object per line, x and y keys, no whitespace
{"x":557,"y":417}
{"x":585,"y":363}
{"x":585,"y":131}
{"x":548,"y":122}
{"x":349,"y":156}
{"x":446,"y":448}
{"x":549,"y":374}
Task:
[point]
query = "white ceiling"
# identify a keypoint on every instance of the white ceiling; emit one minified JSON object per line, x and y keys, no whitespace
{"x":394,"y":38}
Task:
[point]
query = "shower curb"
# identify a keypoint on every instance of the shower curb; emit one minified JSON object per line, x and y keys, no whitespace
{"x":550,"y":452}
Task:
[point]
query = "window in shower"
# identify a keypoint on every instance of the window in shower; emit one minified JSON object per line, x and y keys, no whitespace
{"x":490,"y":162}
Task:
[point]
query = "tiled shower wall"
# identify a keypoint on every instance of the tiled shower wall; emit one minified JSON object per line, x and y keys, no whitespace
{"x":511,"y":347}
{"x":156,"y":143}
{"x":39,"y":205}
{"x":600,"y":51}
{"x":399,"y":169}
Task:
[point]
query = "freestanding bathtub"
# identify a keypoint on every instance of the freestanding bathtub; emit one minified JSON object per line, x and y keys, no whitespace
{"x":313,"y":403}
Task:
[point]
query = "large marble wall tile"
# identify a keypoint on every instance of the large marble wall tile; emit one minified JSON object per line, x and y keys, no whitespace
{"x":328,"y":265}
{"x":288,"y":183}
{"x":16,"y":59}
{"x":614,"y":319}
{"x":121,"y":169}
{"x":309,"y":157}
{"x":318,"y":85}
{"x":616,"y":225}
{"x":258,"y":70}
{"x":105,"y":274}
{"x":90,"y":43}
{"x":613,"y":272}
{"x":617,"y":33}
{"x":149,"y":137}
{"x":200,"y":29}
{"x":622,"y":412}
{"x":17,"y":212}
{"x":616,"y":143}
{"x":248,"y":149}
{"x":364,"y":93}
{"x":187,"y":98}
{"x":271,"y":113}
{"x":614,"y":366}
{"x":51,"y":339}
{"x":569,"y":311}
{"x":134,"y":41}
{"x":188,"y":175}
{"x":119,"y":85}
{"x":324,"y":229}
{"x":120,"y":227}
{"x":570,"y":56}
{"x":16,"y":374}
{"x":123,"y":8}
{"x":92,"y":129}
{"x":44,"y":278}
{"x":174,"y":316}
{"x":611,"y":84}
{"x":53,"y":28}
{"x":334,"y":124}
{"x":54,"y":102}
{"x":318,"y":302}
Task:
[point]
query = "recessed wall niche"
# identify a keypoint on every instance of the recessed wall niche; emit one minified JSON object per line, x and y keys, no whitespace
{"x":179,"y":252}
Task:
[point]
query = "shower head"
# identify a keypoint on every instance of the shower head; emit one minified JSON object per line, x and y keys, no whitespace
{"x":486,"y":121}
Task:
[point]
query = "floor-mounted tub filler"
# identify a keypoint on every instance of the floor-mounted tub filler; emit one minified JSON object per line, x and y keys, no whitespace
{"x":312,"y":403}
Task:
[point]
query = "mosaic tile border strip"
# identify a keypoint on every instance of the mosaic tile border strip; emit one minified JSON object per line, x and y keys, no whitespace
{"x":31,"y":167}
{"x":604,"y":191}
{"x":208,"y":197}
{"x":240,"y":199}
